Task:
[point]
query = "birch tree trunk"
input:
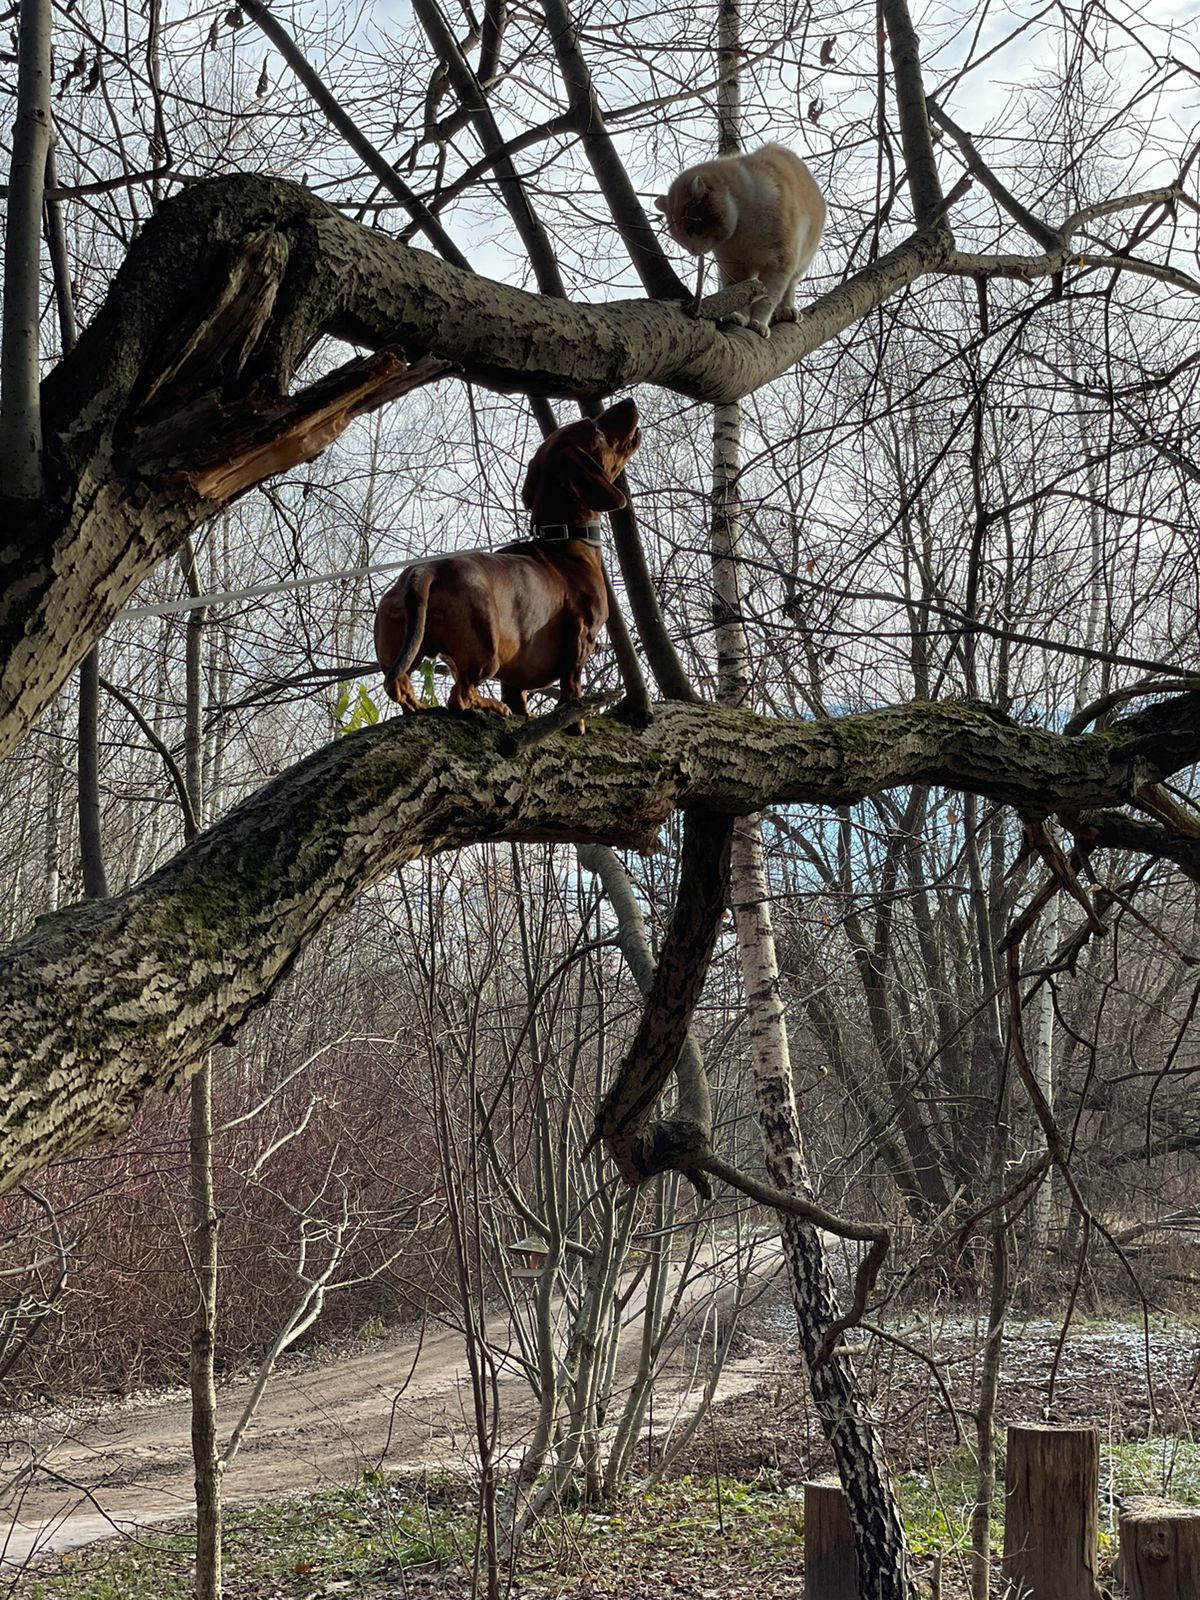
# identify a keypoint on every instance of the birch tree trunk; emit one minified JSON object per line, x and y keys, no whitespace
{"x":206,"y":1457}
{"x":878,"y":1532}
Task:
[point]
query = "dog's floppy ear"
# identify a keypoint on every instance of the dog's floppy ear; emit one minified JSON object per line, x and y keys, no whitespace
{"x":531,"y":476}
{"x":580,"y":470}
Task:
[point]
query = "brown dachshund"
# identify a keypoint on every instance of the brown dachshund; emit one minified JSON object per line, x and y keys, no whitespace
{"x":528,"y":613}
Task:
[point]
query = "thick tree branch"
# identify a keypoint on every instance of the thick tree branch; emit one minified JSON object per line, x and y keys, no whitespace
{"x":920,"y":162}
{"x":1118,"y":830}
{"x":105,"y":1001}
{"x":638,"y":1146}
{"x":694,"y":1100}
{"x":660,"y":650}
{"x":220,"y":450}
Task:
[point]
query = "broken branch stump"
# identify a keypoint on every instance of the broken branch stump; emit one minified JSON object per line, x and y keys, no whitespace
{"x":1160,"y":1549}
{"x":1051,"y":1519}
{"x":830,"y":1561}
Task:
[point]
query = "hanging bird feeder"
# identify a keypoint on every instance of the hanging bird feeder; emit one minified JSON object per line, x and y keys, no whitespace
{"x":528,"y":1257}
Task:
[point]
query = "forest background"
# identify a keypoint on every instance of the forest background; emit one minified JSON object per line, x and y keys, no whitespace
{"x":970,"y":484}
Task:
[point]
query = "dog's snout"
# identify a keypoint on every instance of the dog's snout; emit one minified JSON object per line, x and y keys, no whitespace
{"x":620,"y":424}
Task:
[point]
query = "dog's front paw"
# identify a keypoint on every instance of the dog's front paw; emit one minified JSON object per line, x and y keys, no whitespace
{"x":759,"y":327}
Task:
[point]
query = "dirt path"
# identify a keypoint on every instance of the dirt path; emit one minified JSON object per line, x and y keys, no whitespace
{"x":131,"y":1466}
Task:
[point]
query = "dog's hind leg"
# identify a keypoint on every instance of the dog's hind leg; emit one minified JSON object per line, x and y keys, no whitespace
{"x":403,"y":611}
{"x":465,"y":695}
{"x":514,"y":699}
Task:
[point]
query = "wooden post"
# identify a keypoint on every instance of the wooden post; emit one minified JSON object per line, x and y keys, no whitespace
{"x":830,"y":1562}
{"x":1160,"y":1549}
{"x":1052,"y":1512}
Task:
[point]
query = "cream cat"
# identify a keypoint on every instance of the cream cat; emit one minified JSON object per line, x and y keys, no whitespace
{"x":760,"y":214}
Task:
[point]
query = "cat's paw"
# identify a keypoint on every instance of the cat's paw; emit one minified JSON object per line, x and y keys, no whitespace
{"x":786,"y":314}
{"x":759,"y":327}
{"x":733,"y":319}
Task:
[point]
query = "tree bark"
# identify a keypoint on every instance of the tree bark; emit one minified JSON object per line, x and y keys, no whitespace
{"x":638,"y":1146}
{"x":205,"y":1455}
{"x":91,"y":840}
{"x":882,"y":1561}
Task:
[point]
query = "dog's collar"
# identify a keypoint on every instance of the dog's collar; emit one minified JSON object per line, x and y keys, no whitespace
{"x":560,"y":532}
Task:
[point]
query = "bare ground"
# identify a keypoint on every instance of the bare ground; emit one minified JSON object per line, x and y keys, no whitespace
{"x":325,"y":1425}
{"x":131,"y":1463}
{"x":68,"y":1479}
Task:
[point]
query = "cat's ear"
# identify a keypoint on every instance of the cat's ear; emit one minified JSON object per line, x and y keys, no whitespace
{"x":660,"y":200}
{"x":697,"y":188}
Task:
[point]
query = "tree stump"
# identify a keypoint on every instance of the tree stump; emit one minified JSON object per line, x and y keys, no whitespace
{"x":1051,"y":1520}
{"x":830,"y":1561}
{"x":1160,"y":1549}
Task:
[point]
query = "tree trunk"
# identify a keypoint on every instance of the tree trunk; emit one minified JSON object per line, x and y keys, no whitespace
{"x":20,"y":406}
{"x":1051,"y":1522}
{"x":205,"y":1456}
{"x":985,"y":1413}
{"x":878,"y":1532}
{"x":91,"y":843}
{"x":52,"y":821}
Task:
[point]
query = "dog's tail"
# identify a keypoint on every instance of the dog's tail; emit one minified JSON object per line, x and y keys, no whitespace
{"x":417,"y":582}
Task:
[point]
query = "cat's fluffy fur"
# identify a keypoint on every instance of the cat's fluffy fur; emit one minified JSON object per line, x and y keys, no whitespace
{"x":760,"y":214}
